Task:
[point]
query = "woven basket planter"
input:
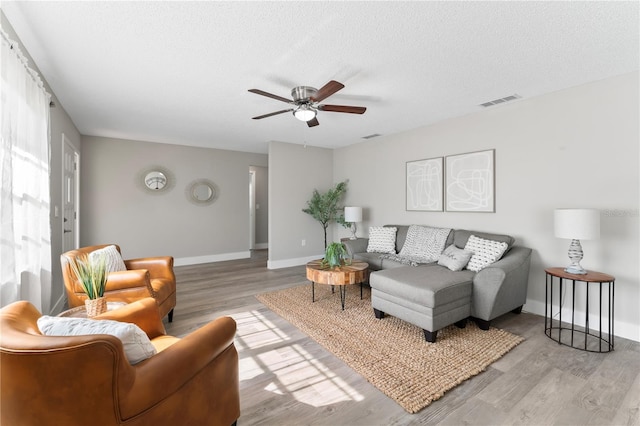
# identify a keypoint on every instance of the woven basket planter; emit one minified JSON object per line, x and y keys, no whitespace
{"x":95,"y":306}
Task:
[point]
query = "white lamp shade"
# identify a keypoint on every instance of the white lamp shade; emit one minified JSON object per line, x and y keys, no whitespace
{"x":577,"y":224}
{"x":353,"y":214}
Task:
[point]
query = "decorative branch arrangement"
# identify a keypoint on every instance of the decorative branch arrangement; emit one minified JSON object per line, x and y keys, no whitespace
{"x":325,"y":207}
{"x":92,"y":275}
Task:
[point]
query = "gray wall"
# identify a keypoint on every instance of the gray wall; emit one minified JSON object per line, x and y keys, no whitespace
{"x":294,"y":172}
{"x":52,"y":298}
{"x":573,"y":148}
{"x":115,"y":208}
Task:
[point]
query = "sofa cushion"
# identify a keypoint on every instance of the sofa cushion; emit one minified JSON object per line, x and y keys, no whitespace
{"x":485,"y":252}
{"x":430,"y":286}
{"x":136,"y":344}
{"x":373,"y":259}
{"x":454,"y":258}
{"x":382,"y":239}
{"x":462,"y":235}
{"x":424,"y":244}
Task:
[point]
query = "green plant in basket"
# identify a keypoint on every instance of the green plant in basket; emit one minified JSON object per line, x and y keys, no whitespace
{"x":334,"y":255}
{"x":92,"y":274}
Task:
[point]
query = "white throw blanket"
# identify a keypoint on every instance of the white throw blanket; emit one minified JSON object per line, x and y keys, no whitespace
{"x":424,"y":244}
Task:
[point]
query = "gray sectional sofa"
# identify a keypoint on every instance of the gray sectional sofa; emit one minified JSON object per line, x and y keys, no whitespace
{"x":432,"y":296}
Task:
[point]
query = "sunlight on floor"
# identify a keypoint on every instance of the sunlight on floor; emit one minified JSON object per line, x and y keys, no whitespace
{"x":285,"y":368}
{"x":257,"y":331}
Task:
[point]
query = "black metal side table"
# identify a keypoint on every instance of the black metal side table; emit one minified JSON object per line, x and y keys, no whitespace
{"x":600,"y":342}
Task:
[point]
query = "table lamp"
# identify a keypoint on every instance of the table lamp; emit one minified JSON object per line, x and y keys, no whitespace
{"x":576,"y":225}
{"x":353,"y":215}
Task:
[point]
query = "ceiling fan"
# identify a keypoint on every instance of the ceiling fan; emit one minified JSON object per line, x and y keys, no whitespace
{"x":306,"y":102}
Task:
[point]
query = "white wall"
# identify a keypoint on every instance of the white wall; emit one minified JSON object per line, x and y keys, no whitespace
{"x":294,"y":172}
{"x":574,"y":148}
{"x":116,"y":209}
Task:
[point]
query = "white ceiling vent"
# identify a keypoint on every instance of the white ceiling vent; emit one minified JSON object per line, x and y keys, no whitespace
{"x":374,"y":135}
{"x":501,"y":100}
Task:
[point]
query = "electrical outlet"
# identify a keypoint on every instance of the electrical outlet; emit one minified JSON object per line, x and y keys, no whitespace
{"x":304,"y":243}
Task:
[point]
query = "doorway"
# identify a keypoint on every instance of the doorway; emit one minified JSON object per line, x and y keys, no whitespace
{"x":70,"y":195}
{"x":252,"y":209}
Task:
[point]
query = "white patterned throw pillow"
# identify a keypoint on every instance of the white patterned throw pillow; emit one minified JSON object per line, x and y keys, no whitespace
{"x":424,"y":244}
{"x":485,"y":252}
{"x":136,"y":344}
{"x":113,"y":257}
{"x":382,"y":239}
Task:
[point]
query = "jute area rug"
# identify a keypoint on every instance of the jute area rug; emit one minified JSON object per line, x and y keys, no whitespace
{"x":390,"y":353}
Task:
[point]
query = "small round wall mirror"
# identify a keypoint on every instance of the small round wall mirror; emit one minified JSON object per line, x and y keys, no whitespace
{"x":155,"y":180}
{"x":201,"y":192}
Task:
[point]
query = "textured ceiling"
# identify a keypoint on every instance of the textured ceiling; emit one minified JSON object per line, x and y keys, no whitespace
{"x":178,"y":72}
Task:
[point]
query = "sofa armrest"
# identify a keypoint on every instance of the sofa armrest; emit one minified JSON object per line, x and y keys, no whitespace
{"x":158,"y":267}
{"x":143,"y":313}
{"x":129,"y":286}
{"x":168,"y":371}
{"x":502,"y":286}
{"x":124,"y":280}
{"x":359,"y":245}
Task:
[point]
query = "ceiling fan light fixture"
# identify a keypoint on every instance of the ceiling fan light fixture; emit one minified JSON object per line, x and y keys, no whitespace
{"x":305,"y":113}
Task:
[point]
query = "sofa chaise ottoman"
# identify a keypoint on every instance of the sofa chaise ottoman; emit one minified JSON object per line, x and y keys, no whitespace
{"x":433,"y":296}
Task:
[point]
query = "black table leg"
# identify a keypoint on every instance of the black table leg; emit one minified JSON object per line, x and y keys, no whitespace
{"x":343,"y":294}
{"x":313,"y":292}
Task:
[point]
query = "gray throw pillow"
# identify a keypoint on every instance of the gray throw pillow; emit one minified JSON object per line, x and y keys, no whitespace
{"x":454,"y":258}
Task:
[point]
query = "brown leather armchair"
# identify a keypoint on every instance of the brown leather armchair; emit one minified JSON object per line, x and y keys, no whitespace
{"x":144,"y":277}
{"x":87,"y":380}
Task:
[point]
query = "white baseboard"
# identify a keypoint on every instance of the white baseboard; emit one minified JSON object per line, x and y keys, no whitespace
{"x":261,"y":246}
{"x":620,"y":328}
{"x":286,"y":263}
{"x":182,"y":261}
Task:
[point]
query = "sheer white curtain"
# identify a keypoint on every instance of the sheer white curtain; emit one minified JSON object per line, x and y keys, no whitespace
{"x":25,"y":237}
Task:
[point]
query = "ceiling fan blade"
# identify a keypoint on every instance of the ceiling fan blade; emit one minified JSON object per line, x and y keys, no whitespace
{"x":270,"y":95}
{"x":342,"y":108}
{"x":327,"y":90}
{"x":312,"y":123}
{"x":273,"y":113}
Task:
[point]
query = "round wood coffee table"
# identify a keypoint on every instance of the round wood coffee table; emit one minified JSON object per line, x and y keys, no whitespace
{"x":355,"y":273}
{"x":81,"y":311}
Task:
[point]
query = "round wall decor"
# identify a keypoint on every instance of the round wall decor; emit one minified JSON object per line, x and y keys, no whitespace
{"x":155,"y":179}
{"x":201,"y":192}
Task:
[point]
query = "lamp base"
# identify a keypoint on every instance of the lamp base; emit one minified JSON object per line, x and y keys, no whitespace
{"x":353,"y":231}
{"x":576,"y":271}
{"x":575,"y":255}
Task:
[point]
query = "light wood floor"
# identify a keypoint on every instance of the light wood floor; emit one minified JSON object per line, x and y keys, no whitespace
{"x":288,"y":379}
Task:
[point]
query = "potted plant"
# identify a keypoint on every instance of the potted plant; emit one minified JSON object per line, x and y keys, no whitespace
{"x":335,"y":255}
{"x":92,"y":276}
{"x":325,"y":209}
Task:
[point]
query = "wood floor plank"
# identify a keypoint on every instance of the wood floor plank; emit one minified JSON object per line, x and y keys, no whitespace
{"x":289,"y":379}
